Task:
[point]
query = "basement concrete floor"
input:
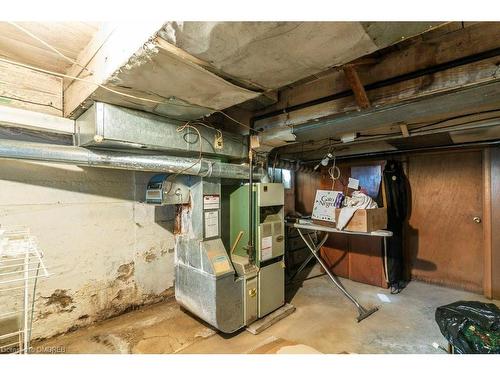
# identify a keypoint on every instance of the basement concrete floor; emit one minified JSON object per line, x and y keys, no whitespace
{"x":324,"y":320}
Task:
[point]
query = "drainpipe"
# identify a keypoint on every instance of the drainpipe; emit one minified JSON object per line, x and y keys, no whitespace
{"x":10,"y":149}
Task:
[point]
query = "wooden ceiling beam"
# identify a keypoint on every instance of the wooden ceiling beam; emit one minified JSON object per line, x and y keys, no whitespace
{"x":26,"y":119}
{"x":357,"y":87}
{"x":455,"y":78}
{"x":404,"y":129}
{"x":430,"y":49}
{"x":28,"y":89}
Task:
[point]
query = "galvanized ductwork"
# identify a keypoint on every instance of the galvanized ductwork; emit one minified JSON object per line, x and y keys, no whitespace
{"x":112,"y":127}
{"x":205,"y":280}
{"x":122,"y":160}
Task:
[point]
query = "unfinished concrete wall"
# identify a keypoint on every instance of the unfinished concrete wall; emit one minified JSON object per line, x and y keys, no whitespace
{"x":107,"y":250}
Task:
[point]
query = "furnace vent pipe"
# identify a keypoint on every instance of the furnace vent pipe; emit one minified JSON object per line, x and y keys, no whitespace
{"x":10,"y":149}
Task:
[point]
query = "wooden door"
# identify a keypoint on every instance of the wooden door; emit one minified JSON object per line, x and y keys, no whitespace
{"x":445,"y":244}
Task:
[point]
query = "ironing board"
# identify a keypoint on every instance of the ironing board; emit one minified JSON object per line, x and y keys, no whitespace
{"x":314,"y":248}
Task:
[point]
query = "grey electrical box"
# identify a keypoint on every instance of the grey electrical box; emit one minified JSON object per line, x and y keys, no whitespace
{"x":164,"y":189}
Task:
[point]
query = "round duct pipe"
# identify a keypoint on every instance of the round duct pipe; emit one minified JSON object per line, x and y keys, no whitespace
{"x":10,"y":149}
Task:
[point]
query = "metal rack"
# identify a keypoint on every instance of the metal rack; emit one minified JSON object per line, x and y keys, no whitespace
{"x":21,"y":265}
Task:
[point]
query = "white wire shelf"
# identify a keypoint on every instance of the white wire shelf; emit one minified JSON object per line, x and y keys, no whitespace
{"x":21,"y":265}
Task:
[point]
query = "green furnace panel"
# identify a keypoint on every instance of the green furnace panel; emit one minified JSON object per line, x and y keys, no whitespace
{"x":268,"y":226}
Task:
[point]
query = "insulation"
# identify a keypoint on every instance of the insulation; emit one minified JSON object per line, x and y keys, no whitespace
{"x":186,"y":91}
{"x":265,"y":53}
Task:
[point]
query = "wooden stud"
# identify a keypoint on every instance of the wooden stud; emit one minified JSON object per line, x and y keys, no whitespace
{"x":357,"y":87}
{"x":404,"y":129}
{"x":36,"y":121}
{"x":260,"y":325}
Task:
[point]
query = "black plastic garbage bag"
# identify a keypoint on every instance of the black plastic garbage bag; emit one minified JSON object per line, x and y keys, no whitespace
{"x":470,"y":326}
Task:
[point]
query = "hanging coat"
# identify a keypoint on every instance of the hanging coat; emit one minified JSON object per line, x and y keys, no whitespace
{"x":397,"y":192}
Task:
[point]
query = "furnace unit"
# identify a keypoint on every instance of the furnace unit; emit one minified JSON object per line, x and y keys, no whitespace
{"x":268,"y":230}
{"x":215,"y":279}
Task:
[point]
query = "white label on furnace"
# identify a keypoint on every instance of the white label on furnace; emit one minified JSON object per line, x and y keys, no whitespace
{"x":211,"y":202}
{"x":266,"y":248}
{"x":211,"y":224}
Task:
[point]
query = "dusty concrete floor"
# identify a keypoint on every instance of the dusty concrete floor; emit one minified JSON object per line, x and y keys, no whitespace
{"x":324,"y":320}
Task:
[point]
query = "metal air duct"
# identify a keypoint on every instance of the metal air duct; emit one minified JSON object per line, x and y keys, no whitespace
{"x":10,"y":149}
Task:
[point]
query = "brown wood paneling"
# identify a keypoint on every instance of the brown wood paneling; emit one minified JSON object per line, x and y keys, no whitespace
{"x":340,"y":184}
{"x":336,"y":249}
{"x":305,"y":191}
{"x":355,"y":257}
{"x":365,"y":260}
{"x":336,"y":254}
{"x":445,"y":244}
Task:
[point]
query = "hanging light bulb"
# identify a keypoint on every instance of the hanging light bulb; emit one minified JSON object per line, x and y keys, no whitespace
{"x":326,"y":159}
{"x":324,"y":162}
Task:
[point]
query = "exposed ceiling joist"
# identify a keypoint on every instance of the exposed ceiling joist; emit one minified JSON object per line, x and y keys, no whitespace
{"x":274,"y":54}
{"x":67,"y":37}
{"x":474,"y":65}
{"x":471,"y":108}
{"x":35,"y":121}
{"x":440,"y":82}
{"x":30,"y":90}
{"x":416,"y":55}
{"x":187,"y":70}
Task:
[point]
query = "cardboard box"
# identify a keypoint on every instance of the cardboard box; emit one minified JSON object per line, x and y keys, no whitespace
{"x":368,"y":220}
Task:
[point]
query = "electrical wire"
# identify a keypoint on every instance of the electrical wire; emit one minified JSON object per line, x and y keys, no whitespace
{"x":455,"y":118}
{"x":200,"y":156}
{"x":219,"y":139}
{"x":238,"y":122}
{"x":27,"y":32}
{"x":82,"y":80}
{"x":218,"y":136}
{"x":52,"y":48}
{"x":62,"y":75}
{"x":333,"y":171}
{"x":191,"y":125}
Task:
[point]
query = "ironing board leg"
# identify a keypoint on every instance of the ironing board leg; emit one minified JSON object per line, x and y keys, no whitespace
{"x":363,"y":312}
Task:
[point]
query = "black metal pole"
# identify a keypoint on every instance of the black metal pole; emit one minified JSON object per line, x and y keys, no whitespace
{"x":250,"y":245}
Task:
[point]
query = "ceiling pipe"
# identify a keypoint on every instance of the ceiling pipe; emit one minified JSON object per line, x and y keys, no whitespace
{"x":386,"y":154}
{"x":10,"y":149}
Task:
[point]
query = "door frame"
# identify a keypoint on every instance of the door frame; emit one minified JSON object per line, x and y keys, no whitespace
{"x":491,"y":219}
